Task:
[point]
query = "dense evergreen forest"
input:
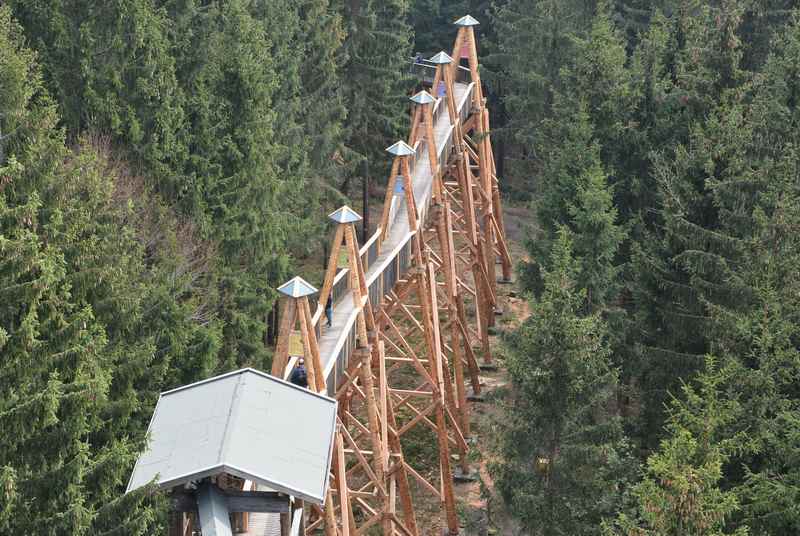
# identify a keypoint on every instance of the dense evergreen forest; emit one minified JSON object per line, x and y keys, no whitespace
{"x":165,"y":164}
{"x":656,"y":381}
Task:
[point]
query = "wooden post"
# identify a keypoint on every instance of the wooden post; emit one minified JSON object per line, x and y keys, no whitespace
{"x":372,"y":413}
{"x":365,"y":202}
{"x":483,"y":300}
{"x":330,"y":272}
{"x":444,"y":232}
{"x":312,"y":349}
{"x":497,"y":208}
{"x":416,"y":120}
{"x":387,"y":203}
{"x":340,"y":473}
{"x":427,"y":297}
{"x":400,"y":470}
{"x":281,"y":356}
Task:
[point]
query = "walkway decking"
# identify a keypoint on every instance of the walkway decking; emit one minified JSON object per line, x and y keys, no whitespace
{"x":334,"y":340}
{"x":264,"y":525}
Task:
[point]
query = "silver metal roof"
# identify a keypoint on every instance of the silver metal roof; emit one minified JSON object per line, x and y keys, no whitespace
{"x":345,"y":215}
{"x":245,"y":423}
{"x":423,"y":97}
{"x":297,"y":287}
{"x":400,"y":148}
{"x":466,"y":20}
{"x":442,"y":58}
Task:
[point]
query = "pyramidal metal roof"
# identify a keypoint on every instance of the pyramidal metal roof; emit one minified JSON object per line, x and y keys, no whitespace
{"x":244,"y":423}
{"x":467,"y":20}
{"x":442,"y":58}
{"x":345,"y":215}
{"x":297,"y":287}
{"x":400,"y":148}
{"x":423,"y":97}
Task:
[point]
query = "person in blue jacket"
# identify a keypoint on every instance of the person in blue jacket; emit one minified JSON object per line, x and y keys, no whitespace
{"x":299,"y":376}
{"x":329,"y":311}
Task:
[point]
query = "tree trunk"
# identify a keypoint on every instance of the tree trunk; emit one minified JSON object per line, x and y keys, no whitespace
{"x":365,"y":203}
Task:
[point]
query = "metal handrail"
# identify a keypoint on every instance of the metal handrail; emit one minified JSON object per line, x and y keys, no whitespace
{"x":426,"y":72}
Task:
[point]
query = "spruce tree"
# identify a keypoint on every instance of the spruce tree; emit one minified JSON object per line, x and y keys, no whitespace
{"x":564,"y":458}
{"x":236,"y":192}
{"x":752,"y":295}
{"x":573,"y":192}
{"x":375,"y":72}
{"x":58,"y":475}
{"x":680,"y":494}
{"x":534,"y":43}
{"x":700,"y":73}
{"x":109,"y":65}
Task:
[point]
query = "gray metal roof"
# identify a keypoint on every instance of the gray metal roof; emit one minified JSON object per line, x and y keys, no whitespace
{"x":442,"y":58}
{"x":466,"y":20}
{"x":245,"y":423}
{"x":423,"y":97}
{"x":345,"y":215}
{"x":400,"y":148}
{"x":297,"y":287}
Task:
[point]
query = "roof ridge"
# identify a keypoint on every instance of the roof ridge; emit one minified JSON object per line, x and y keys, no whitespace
{"x":233,"y":413}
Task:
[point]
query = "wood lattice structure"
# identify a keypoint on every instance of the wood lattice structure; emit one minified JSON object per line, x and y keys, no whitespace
{"x":402,"y":353}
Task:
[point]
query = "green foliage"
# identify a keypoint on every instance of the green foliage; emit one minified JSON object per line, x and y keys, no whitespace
{"x":193,"y":93}
{"x":58,"y":466}
{"x":535,"y":43}
{"x":680,"y":494}
{"x":574,"y":193}
{"x":688,"y":113}
{"x":564,"y":456}
{"x":376,"y":52}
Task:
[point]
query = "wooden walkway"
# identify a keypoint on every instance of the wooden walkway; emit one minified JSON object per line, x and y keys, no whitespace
{"x":333,"y":341}
{"x":389,"y":360}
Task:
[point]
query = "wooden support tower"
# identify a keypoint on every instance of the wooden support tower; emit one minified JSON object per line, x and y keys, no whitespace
{"x":464,"y":193}
{"x":480,"y":146}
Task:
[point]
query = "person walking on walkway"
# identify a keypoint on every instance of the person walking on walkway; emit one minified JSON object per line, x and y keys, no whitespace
{"x":329,"y":311}
{"x":299,"y":375}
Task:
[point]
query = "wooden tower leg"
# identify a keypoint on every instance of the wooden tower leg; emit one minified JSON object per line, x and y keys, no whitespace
{"x":483,"y":308}
{"x":399,"y":472}
{"x":288,"y":320}
{"x":445,"y":240}
{"x":427,"y":293}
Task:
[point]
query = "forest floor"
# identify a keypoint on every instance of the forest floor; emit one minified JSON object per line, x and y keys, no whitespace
{"x":481,"y":509}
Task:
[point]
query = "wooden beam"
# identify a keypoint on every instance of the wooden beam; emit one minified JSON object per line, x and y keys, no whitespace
{"x":270,"y":502}
{"x":330,"y":271}
{"x":288,"y":320}
{"x":387,"y":202}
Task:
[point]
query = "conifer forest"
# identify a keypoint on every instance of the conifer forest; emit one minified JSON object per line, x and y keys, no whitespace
{"x":165,"y":165}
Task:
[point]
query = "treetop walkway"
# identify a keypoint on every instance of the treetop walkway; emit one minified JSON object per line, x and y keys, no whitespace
{"x":411,"y":314}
